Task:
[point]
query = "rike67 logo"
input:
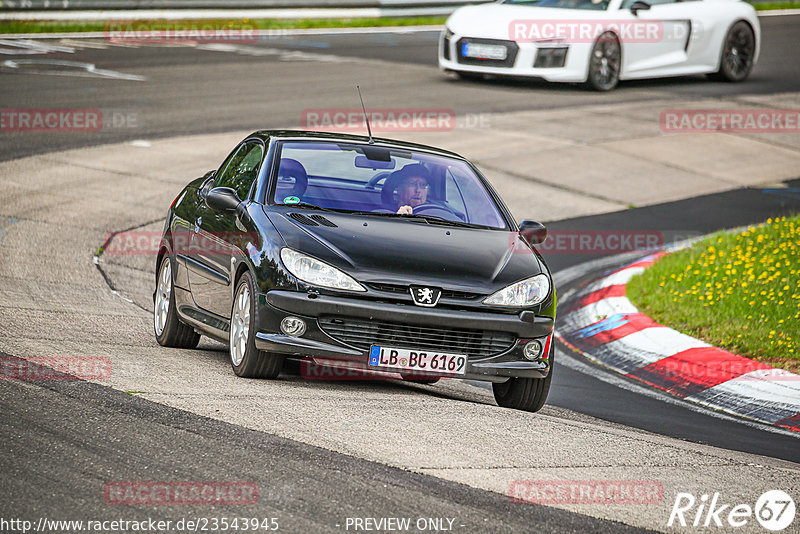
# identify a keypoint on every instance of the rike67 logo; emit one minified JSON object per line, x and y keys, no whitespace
{"x":774,"y":510}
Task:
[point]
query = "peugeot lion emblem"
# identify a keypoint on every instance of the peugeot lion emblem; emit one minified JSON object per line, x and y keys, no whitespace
{"x":425,"y":296}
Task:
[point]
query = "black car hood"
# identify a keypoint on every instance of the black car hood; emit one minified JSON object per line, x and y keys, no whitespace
{"x":397,"y":251}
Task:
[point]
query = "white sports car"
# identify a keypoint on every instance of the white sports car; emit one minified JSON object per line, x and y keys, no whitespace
{"x":601,"y":42}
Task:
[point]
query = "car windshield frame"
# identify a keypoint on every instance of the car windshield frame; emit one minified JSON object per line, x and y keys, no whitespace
{"x":580,"y":5}
{"x":505,"y":221}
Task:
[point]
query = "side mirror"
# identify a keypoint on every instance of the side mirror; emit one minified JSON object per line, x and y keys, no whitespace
{"x":533,"y":232}
{"x":639,"y":6}
{"x":223,"y":199}
{"x":207,"y":183}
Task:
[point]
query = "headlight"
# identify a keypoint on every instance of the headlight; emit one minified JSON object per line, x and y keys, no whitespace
{"x":317,"y":272}
{"x":525,"y":293}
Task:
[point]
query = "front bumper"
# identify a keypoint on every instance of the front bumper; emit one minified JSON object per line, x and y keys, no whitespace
{"x":317,"y":343}
{"x":574,"y":70}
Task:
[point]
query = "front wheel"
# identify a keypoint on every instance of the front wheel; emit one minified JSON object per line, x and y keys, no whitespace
{"x":527,"y":394}
{"x":247,"y":361}
{"x":738,"y":54}
{"x":604,"y":63}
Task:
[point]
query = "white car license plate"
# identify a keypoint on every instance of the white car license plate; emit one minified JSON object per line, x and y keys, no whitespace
{"x":484,"y":51}
{"x":425,"y":361}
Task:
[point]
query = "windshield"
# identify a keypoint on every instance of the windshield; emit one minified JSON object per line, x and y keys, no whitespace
{"x":598,"y":5}
{"x":382,"y":181}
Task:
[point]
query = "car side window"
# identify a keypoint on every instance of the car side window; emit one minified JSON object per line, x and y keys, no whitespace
{"x":242,"y":169}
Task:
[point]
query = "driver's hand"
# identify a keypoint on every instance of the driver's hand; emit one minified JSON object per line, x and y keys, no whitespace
{"x":405,"y":210}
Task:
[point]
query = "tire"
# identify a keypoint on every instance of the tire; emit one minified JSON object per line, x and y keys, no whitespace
{"x":247,"y":361}
{"x":169,"y":330}
{"x":411,"y":378}
{"x":738,"y":52}
{"x":604,"y":63}
{"x":527,"y":394}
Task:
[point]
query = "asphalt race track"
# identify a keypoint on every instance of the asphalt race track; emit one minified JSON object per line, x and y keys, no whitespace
{"x":230,"y":87}
{"x":323,"y":452}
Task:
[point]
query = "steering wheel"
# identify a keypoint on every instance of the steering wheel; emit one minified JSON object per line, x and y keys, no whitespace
{"x":435,"y":209}
{"x":375,"y":179}
{"x":291,"y":168}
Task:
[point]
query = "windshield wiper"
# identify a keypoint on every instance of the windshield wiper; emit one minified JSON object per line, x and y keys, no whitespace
{"x":429,"y":219}
{"x":435,"y":219}
{"x":307,"y":206}
{"x":379,"y":213}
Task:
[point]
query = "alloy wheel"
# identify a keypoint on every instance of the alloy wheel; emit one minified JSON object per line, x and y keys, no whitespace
{"x":739,"y":51}
{"x":605,"y":62}
{"x":163,"y":293}
{"x":240,"y":325}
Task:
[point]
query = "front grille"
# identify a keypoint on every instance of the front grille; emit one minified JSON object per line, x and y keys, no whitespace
{"x":361,"y":333}
{"x":511,"y":52}
{"x":389,"y":288}
{"x":446,"y":293}
{"x":551,"y":57}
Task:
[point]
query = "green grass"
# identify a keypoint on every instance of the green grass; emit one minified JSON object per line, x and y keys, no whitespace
{"x":34,"y":26}
{"x":766,"y":6}
{"x":739,"y":292}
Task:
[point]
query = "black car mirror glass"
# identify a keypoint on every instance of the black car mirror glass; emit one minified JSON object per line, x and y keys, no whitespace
{"x":639,"y":6}
{"x":222,"y":199}
{"x":533,"y":232}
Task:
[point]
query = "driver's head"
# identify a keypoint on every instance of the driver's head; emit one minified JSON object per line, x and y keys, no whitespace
{"x":412,"y":189}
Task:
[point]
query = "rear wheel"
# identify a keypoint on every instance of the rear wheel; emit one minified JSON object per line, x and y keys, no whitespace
{"x":737,"y":54}
{"x":527,"y":394}
{"x":605,"y":63}
{"x":247,"y":361}
{"x":169,"y":330}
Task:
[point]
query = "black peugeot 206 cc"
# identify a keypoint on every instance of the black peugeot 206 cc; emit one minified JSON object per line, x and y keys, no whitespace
{"x":372,"y":254}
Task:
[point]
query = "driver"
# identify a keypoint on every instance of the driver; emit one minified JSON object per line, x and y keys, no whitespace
{"x":412,"y":190}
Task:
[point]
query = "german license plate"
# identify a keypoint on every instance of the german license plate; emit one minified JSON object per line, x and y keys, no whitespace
{"x":484,"y":51}
{"x":424,"y":361}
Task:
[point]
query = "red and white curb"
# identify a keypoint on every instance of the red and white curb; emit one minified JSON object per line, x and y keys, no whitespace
{"x":601,"y":323}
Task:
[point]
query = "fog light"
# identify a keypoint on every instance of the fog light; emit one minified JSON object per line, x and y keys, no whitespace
{"x":293,"y":326}
{"x":532,"y":350}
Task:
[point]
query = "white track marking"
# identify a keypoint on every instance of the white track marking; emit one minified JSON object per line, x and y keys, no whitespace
{"x":25,"y":47}
{"x":613,"y":378}
{"x":58,"y":67}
